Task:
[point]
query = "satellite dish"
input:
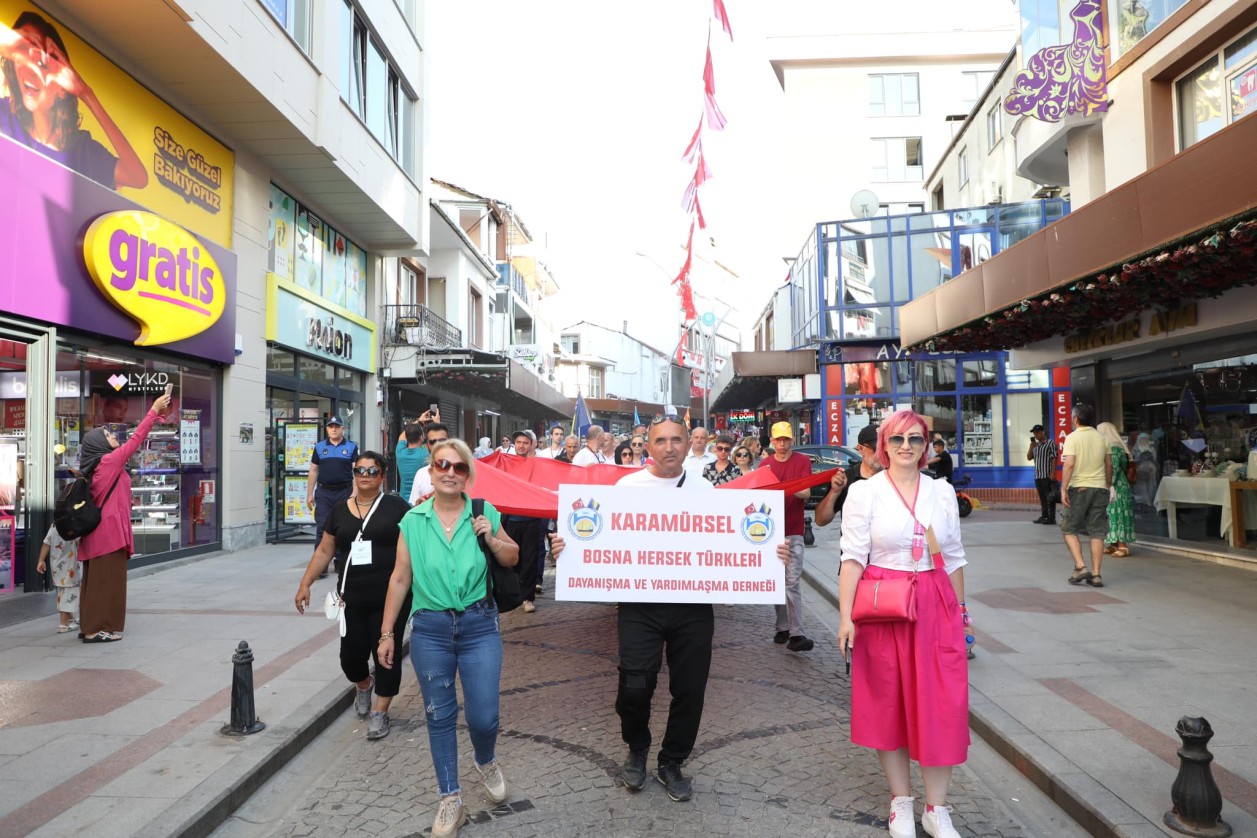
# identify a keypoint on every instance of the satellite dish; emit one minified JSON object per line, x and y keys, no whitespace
{"x":864,"y":204}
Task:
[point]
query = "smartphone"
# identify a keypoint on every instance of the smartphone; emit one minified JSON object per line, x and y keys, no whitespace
{"x":434,"y":407}
{"x":170,"y":388}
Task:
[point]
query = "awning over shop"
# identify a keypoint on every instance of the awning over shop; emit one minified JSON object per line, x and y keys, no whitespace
{"x":491,"y":378}
{"x":751,"y":380}
{"x":1185,"y":230}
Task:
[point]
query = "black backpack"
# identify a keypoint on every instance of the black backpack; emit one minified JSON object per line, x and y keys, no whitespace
{"x":500,"y":581}
{"x":75,"y":514}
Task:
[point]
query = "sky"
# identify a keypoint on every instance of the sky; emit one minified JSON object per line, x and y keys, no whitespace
{"x":577,"y":114}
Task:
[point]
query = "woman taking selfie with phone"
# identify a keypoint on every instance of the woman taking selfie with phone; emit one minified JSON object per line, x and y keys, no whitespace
{"x":361,"y":534}
{"x":454,"y":630}
{"x":909,"y":678}
{"x":106,"y":550}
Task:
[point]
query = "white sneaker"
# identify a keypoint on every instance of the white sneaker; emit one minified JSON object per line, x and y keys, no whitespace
{"x":450,"y":815}
{"x":362,"y":700}
{"x":902,"y":821}
{"x":494,"y":781}
{"x":937,"y":822}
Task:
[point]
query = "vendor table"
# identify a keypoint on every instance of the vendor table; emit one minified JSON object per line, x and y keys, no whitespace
{"x":1209,"y":491}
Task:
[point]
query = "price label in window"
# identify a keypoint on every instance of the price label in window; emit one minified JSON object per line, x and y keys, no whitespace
{"x":190,"y":437}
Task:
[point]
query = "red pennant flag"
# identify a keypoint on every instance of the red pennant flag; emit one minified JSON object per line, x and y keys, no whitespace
{"x":689,"y":199}
{"x":715,"y":119}
{"x":723,"y":17}
{"x":709,"y":74}
{"x":696,"y":143}
{"x":683,"y":278}
{"x":698,"y":209}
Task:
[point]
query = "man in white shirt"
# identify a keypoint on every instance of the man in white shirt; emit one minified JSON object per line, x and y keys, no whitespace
{"x":699,"y":456}
{"x":422,"y":487}
{"x":590,"y":454}
{"x":549,"y":452}
{"x":645,"y":628}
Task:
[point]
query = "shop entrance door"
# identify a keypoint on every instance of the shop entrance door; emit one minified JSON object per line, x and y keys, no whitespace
{"x":26,"y":456}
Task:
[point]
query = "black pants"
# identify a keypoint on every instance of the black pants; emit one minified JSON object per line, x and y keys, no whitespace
{"x":362,"y":642}
{"x":527,"y":533}
{"x":325,"y":500}
{"x":1046,"y":486}
{"x":645,"y":630}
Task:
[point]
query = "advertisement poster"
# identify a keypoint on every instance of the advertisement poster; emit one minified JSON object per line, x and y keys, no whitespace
{"x":295,"y":509}
{"x":299,"y":441}
{"x":8,"y":476}
{"x":15,"y":414}
{"x":628,"y":544}
{"x":190,"y":437}
{"x":281,"y":232}
{"x":127,"y":139}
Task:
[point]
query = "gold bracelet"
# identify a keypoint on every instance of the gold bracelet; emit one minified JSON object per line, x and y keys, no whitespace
{"x":388,"y":635}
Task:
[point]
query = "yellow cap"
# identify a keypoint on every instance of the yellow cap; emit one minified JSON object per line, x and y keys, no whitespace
{"x":782,"y":429}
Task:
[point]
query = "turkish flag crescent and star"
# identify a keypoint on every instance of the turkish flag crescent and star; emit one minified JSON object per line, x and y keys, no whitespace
{"x":529,"y":485}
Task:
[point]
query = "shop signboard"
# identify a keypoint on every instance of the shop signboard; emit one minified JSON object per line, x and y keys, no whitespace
{"x":129,"y":141}
{"x":301,"y":320}
{"x":15,"y":414}
{"x":13,"y":385}
{"x":190,"y":437}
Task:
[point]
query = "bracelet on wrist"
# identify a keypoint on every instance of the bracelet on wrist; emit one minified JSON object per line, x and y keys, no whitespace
{"x":388,"y":635}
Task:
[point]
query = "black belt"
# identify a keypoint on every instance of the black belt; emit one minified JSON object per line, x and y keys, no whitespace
{"x":334,"y":485}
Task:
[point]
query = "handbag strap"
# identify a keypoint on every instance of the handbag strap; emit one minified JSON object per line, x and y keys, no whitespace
{"x":108,"y":494}
{"x":477,"y":509}
{"x":361,"y":528}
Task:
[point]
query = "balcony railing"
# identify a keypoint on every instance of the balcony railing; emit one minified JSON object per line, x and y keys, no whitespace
{"x":418,"y":325}
{"x":508,"y":277}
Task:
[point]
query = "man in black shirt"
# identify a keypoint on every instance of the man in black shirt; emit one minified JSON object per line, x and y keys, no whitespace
{"x":941,"y":461}
{"x":832,"y":503}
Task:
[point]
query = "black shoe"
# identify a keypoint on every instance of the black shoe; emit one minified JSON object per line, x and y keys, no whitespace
{"x":678,"y":785}
{"x":1039,"y":520}
{"x":1051,"y":521}
{"x":781,"y":637}
{"x":633,"y":772}
{"x":799,"y":643}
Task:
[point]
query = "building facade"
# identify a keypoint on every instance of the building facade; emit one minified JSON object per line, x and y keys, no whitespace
{"x":1144,"y":291}
{"x":243,"y":175}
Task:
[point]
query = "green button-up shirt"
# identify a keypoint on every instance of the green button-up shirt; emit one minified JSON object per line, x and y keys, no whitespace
{"x":446,"y":574}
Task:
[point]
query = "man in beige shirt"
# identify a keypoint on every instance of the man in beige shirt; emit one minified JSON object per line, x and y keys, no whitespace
{"x":1087,"y":483}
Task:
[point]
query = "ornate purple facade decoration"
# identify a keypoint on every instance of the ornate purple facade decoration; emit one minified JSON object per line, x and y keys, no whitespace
{"x":1069,"y":78}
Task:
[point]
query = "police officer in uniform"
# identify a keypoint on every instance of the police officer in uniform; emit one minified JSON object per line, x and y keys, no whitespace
{"x":331,"y":474}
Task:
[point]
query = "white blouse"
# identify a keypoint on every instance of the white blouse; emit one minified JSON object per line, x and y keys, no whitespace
{"x":877,"y":527}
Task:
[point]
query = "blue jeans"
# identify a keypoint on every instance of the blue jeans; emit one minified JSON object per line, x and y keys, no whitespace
{"x":469,"y":643}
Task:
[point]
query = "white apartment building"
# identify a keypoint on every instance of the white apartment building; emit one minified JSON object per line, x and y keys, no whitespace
{"x":867,"y":94}
{"x":275,"y":148}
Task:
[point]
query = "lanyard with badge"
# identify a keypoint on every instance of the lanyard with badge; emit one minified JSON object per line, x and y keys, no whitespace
{"x":360,"y":549}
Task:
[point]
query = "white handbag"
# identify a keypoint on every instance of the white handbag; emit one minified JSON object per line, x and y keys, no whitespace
{"x":334,"y":602}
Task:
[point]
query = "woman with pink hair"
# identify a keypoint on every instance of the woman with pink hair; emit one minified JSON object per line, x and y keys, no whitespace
{"x":909,"y":683}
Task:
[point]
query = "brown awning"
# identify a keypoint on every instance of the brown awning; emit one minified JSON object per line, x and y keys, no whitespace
{"x":751,"y":380}
{"x":1178,"y":232}
{"x":779,"y":362}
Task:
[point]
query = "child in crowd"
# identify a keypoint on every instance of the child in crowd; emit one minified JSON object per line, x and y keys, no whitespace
{"x":65,"y":576}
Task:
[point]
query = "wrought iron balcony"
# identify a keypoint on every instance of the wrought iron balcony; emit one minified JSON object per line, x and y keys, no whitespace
{"x":418,"y":325}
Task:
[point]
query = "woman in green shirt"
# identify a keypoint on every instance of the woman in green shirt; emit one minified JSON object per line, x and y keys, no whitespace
{"x":454,"y":627}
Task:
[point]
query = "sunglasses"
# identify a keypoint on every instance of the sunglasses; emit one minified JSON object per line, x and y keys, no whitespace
{"x":461,"y":469}
{"x":914,"y":441}
{"x":635,"y":444}
{"x":368,"y":471}
{"x":722,"y":448}
{"x":742,"y":454}
{"x":435,"y":441}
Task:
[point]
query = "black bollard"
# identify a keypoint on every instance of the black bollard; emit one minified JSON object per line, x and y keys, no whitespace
{"x":244,"y":718}
{"x":809,"y":537}
{"x":1196,"y":798}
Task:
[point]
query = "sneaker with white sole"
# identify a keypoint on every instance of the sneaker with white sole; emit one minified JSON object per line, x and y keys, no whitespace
{"x":902,"y":821}
{"x":362,"y":700}
{"x":379,"y":727}
{"x":450,"y":815}
{"x":937,"y":822}
{"x":494,"y":781}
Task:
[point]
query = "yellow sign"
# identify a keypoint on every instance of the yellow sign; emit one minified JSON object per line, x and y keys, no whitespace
{"x":155,"y":272}
{"x":1160,"y":323}
{"x":76,"y":107}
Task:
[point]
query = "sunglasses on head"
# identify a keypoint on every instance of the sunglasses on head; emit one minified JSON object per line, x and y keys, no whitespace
{"x":461,"y":469}
{"x":915,"y":440}
{"x":367,"y":471}
{"x":660,"y":418}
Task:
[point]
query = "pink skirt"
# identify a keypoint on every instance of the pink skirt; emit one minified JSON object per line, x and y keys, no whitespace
{"x":910,"y":681}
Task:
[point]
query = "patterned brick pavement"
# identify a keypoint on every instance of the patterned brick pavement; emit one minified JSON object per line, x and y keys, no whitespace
{"x":773,"y":755}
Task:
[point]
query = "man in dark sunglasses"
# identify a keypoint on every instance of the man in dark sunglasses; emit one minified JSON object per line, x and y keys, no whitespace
{"x":422,"y":487}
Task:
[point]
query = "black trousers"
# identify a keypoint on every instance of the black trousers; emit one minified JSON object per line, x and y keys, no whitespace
{"x":528,"y":533}
{"x":646,"y":630}
{"x":362,"y":643}
{"x":1045,"y":486}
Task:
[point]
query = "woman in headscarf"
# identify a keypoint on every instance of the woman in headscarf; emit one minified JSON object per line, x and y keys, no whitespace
{"x":106,"y":550}
{"x":1121,"y":507}
{"x":483,"y":449}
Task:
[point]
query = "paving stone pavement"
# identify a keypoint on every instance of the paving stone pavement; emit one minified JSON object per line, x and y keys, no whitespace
{"x":773,"y":754}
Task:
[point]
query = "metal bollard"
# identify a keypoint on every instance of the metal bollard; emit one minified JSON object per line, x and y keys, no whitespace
{"x":1196,"y":798}
{"x":809,"y":537}
{"x":244,"y":718}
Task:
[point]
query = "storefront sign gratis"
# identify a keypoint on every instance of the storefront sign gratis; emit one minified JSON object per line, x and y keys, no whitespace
{"x":157,"y":273}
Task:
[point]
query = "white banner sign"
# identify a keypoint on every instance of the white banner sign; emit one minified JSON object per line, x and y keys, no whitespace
{"x":627,"y":544}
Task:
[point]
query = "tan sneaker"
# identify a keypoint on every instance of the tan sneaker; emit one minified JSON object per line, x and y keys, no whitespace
{"x":450,"y":815}
{"x":494,"y":782}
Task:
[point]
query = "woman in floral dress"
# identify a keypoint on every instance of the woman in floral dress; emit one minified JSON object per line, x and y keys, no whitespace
{"x":1121,"y":507}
